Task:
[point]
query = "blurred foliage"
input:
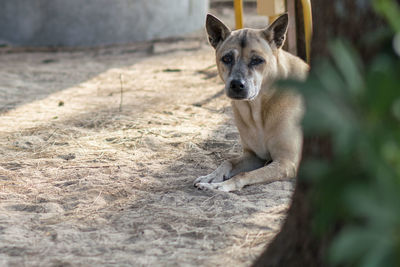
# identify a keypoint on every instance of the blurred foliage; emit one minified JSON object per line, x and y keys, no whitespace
{"x":356,"y":190}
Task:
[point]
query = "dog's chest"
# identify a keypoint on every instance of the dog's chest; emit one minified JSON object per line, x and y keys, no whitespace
{"x":251,"y":126}
{"x":256,"y":142}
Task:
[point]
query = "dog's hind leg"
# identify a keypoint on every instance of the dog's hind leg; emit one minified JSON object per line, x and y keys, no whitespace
{"x":246,"y":163}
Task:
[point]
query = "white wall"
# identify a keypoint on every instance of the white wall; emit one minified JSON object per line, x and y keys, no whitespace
{"x":96,"y":22}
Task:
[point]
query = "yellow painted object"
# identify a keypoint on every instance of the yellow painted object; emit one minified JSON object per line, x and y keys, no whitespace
{"x":308,"y":27}
{"x":238,"y":5}
{"x":271,"y":8}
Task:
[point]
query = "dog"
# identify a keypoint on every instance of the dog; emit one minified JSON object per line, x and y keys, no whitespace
{"x":249,"y":61}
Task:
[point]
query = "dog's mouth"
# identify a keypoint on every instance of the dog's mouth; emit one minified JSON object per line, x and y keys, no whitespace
{"x":242,"y":97}
{"x":237,"y":97}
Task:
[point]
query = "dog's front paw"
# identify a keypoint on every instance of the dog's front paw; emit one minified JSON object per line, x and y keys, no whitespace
{"x":203,"y":179}
{"x":211,"y":178}
{"x":224,"y":186}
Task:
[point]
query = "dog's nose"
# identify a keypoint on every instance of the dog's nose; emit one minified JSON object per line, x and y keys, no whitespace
{"x":237,"y":85}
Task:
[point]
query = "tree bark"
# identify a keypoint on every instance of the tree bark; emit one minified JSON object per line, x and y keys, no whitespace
{"x":296,"y":245}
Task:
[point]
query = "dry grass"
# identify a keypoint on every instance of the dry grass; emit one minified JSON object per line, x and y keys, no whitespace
{"x":86,"y":180}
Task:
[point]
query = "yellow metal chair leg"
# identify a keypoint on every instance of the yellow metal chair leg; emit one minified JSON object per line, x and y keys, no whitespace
{"x":238,"y":5}
{"x":308,"y":27}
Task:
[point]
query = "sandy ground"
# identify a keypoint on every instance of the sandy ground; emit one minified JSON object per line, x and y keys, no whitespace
{"x":93,"y":177}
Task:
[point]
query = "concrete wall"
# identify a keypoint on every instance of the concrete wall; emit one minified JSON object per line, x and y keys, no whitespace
{"x":96,"y":22}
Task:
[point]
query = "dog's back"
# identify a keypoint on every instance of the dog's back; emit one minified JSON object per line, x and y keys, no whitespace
{"x":294,"y":66}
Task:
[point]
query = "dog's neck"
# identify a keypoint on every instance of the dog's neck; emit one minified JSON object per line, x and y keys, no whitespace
{"x":254,"y":108}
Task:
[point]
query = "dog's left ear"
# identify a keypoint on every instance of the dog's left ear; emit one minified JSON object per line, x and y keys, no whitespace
{"x":276,"y":32}
{"x":217,"y":31}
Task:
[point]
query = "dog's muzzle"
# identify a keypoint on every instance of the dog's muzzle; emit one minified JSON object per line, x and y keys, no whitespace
{"x":237,"y":89}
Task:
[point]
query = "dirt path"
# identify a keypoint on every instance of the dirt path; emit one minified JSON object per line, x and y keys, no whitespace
{"x":86,"y":180}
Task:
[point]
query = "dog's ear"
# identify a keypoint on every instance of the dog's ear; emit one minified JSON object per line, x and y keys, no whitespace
{"x":276,"y":32}
{"x":217,"y":31}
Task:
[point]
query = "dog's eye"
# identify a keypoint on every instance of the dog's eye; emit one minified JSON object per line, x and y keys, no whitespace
{"x":227,"y":59}
{"x":256,"y":61}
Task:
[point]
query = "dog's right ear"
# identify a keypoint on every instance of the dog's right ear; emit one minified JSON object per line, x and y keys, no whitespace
{"x":276,"y":32}
{"x":217,"y":31}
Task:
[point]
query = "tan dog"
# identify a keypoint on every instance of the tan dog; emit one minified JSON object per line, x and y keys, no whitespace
{"x":249,"y":61}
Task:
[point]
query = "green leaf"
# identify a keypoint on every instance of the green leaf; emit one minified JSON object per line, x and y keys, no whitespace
{"x":348,"y":65}
{"x":351,"y":245}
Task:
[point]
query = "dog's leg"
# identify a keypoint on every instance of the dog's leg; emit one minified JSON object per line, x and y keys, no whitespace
{"x":285,"y":160}
{"x":229,"y":168}
{"x":216,"y":176}
{"x":246,"y":163}
{"x":275,"y":171}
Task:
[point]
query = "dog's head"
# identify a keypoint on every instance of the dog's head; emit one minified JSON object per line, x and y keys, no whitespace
{"x":246,"y":58}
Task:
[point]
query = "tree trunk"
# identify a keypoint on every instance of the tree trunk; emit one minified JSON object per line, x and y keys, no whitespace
{"x":295,"y":245}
